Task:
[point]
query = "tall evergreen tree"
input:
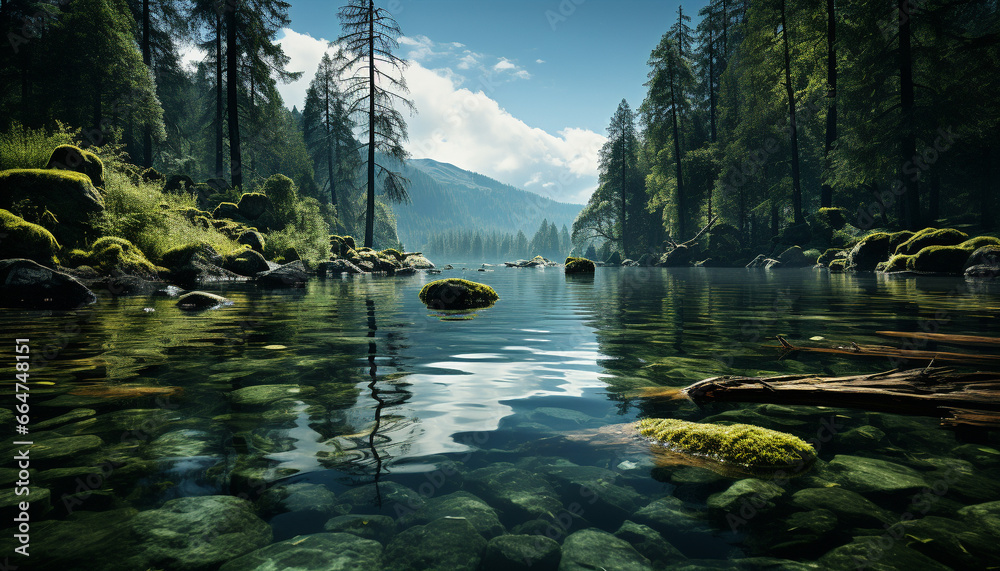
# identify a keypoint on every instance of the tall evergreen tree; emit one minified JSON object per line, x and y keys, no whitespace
{"x":328,"y":128}
{"x":374,"y":94}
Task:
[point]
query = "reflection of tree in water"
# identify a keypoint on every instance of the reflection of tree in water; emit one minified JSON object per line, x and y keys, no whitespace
{"x":380,"y":402}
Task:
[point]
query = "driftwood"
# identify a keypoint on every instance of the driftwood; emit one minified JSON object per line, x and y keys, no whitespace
{"x":961,"y":399}
{"x":974,"y":340}
{"x":691,"y":242}
{"x":885,"y":351}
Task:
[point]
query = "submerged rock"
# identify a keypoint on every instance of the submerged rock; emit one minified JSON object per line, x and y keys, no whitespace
{"x":298,"y":497}
{"x":668,"y":515}
{"x":865,"y":475}
{"x":454,"y":293}
{"x":850,"y":507}
{"x":758,"y":493}
{"x":267,"y":395}
{"x":196,"y":300}
{"x":590,"y":549}
{"x":381,"y":528}
{"x":443,"y":545}
{"x":649,"y":543}
{"x":868,"y":552}
{"x":316,"y":552}
{"x":521,"y":553}
{"x":198,"y":533}
{"x":24,"y":283}
{"x":460,"y":505}
{"x":515,"y":490}
{"x":744,"y":445}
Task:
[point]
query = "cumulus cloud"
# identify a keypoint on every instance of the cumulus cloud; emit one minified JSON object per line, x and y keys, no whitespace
{"x":465,"y":127}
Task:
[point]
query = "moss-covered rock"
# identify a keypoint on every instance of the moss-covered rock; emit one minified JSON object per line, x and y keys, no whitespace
{"x":794,"y":257}
{"x":394,"y":253}
{"x":834,"y":217}
{"x":110,"y":254}
{"x":868,"y":252}
{"x":897,"y":238}
{"x":218,"y":184}
{"x":679,"y":257}
{"x":22,"y":239}
{"x":73,"y":158}
{"x":838,"y":265}
{"x":252,"y":205}
{"x":290,"y":255}
{"x":973,"y":244}
{"x":24,"y":283}
{"x":226,"y":210}
{"x":252,"y":238}
{"x":184,"y":255}
{"x":740,"y":444}
{"x":69,"y":197}
{"x":830,"y":255}
{"x":417,"y":261}
{"x":196,"y":300}
{"x":931,"y":237}
{"x":940,"y":259}
{"x":456,"y":293}
{"x":179,"y":182}
{"x":579,"y":266}
{"x":984,"y":256}
{"x":897,"y":263}
{"x":245,"y":262}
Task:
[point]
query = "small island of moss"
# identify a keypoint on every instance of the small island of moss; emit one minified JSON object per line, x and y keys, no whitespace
{"x":453,"y":293}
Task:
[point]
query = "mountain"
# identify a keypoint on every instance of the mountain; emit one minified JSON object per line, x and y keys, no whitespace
{"x":445,"y":197}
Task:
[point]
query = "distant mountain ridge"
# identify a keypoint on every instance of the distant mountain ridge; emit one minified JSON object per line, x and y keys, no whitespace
{"x":445,"y":197}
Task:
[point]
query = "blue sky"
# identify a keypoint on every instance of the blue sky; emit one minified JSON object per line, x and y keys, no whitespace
{"x":519,"y":90}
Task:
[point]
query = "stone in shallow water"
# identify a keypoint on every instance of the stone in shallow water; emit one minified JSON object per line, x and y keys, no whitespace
{"x":381,"y":528}
{"x":298,"y":497}
{"x":443,"y":545}
{"x":521,"y":553}
{"x":183,"y":443}
{"x":756,"y":493}
{"x":649,"y":543}
{"x":872,"y":475}
{"x":458,"y":504}
{"x":90,"y":540}
{"x":865,"y":437}
{"x":590,"y":549}
{"x":317,"y":552}
{"x":951,"y":542}
{"x":869,"y":552}
{"x":75,"y":414}
{"x":596,"y":489}
{"x":695,"y":475}
{"x":198,"y":532}
{"x":668,"y":515}
{"x":396,"y":498}
{"x":985,"y":516}
{"x":52,"y":449}
{"x":262,"y":395}
{"x":849,"y":507}
{"x":816,"y":522}
{"x":511,"y":488}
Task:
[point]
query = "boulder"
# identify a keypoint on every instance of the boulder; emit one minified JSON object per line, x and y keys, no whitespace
{"x":838,"y":265}
{"x":988,"y":255}
{"x":579,"y":266}
{"x":794,"y":258}
{"x":381,"y":528}
{"x":521,"y":553}
{"x":196,"y":300}
{"x":940,"y":259}
{"x":291,"y":275}
{"x":830,"y":255}
{"x":25,"y":283}
{"x":458,"y":505}
{"x":111,"y":255}
{"x":316,"y":552}
{"x":669,"y":516}
{"x":454,"y":293}
{"x":198,"y":533}
{"x":851,"y":508}
{"x":515,"y":491}
{"x":225,"y":210}
{"x":649,"y":543}
{"x":590,"y":549}
{"x":179,"y":182}
{"x":73,"y":158}
{"x":865,"y":475}
{"x":750,"y":491}
{"x":22,"y":239}
{"x":835,"y":218}
{"x":647,"y":260}
{"x":336,"y":268}
{"x":418,"y":262}
{"x":931,"y":237}
{"x":252,"y":205}
{"x":678,"y":257}
{"x":68,"y":196}
{"x":872,"y":552}
{"x":443,"y":545}
{"x":983,"y":271}
{"x":868,"y":252}
{"x":252,"y":238}
{"x":897,"y":263}
{"x":246,"y":262}
{"x":299,"y":497}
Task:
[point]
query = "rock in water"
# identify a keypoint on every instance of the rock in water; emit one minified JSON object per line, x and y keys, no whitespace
{"x":521,"y":553}
{"x":290,"y":275}
{"x":196,"y":300}
{"x":591,"y":549}
{"x":446,"y":544}
{"x":198,"y":533}
{"x":579,"y":266}
{"x":453,"y":293}
{"x":317,"y":552}
{"x":25,"y":283}
{"x":745,"y":445}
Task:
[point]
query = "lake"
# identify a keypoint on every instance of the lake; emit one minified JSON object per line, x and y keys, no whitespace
{"x":407,"y":438}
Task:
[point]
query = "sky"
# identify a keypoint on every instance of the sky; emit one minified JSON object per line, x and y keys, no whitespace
{"x":518,"y":90}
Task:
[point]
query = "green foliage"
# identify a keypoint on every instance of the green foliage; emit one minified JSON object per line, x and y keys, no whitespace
{"x":741,"y":444}
{"x":25,"y":148}
{"x":457,"y":294}
{"x":579,"y":266}
{"x":21,"y":239}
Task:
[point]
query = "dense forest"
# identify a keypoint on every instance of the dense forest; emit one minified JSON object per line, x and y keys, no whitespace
{"x":766,"y":112}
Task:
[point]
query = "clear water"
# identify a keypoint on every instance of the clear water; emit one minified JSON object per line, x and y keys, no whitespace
{"x":386,"y":391}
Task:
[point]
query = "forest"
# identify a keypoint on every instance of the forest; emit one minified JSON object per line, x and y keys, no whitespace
{"x":765,"y":114}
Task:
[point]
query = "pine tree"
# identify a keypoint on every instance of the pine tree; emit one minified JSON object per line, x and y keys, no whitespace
{"x":328,"y":128}
{"x":373,"y":94}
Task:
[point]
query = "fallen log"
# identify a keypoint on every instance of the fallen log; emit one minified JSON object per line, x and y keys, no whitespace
{"x":892,"y":352}
{"x":975,"y":340}
{"x":963,"y":399}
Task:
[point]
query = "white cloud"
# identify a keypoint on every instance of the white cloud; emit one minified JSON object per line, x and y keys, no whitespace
{"x":305,"y":53}
{"x":539,"y":61}
{"x":470,"y":130}
{"x":191,"y":55}
{"x":504,"y":64}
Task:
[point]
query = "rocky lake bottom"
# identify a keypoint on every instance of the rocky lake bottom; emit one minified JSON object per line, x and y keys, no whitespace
{"x":347,"y":426}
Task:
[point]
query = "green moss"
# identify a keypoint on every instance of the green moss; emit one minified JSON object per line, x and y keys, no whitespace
{"x":456,"y":293}
{"x":973,"y":244}
{"x":183,"y":255}
{"x":392,"y":252}
{"x":897,"y":238}
{"x":838,"y":265}
{"x":22,"y":239}
{"x":245,"y":262}
{"x":931,"y":237}
{"x":868,"y":252}
{"x":68,"y":195}
{"x":349,"y":240}
{"x":741,"y":444}
{"x":73,"y":158}
{"x":75,"y":258}
{"x":835,"y":218}
{"x":941,"y":259}
{"x":830,"y":255}
{"x":579,"y":266}
{"x":252,"y":205}
{"x":898,"y":263}
{"x":108,"y":254}
{"x":225,"y":210}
